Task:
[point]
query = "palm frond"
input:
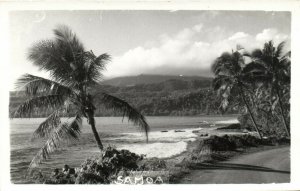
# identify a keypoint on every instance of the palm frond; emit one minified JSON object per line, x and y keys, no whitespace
{"x":51,"y":57}
{"x":254,"y":67}
{"x":68,"y":39}
{"x":279,"y":49}
{"x":63,"y":132}
{"x":62,"y":57}
{"x":34,"y":85}
{"x":228,"y":64}
{"x":256,"y":54}
{"x":47,"y":126}
{"x":247,"y":54}
{"x":220,"y":81}
{"x":94,"y":65}
{"x":122,"y":106}
{"x":221,"y":64}
{"x":39,"y":103}
{"x":74,"y":129}
{"x":255,"y":72}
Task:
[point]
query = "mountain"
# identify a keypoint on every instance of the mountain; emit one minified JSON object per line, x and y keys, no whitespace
{"x":171,"y":95}
{"x":149,"y":79}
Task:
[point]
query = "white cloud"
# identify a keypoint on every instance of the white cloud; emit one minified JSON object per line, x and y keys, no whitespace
{"x":271,"y":34}
{"x":187,"y":51}
{"x":238,"y":35}
{"x":198,"y":28}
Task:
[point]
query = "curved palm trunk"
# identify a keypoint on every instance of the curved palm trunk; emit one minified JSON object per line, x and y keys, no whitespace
{"x":93,"y":126}
{"x":250,"y":112}
{"x":282,"y":114}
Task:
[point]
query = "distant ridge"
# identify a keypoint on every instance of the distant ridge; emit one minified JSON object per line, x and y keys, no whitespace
{"x":126,"y":81}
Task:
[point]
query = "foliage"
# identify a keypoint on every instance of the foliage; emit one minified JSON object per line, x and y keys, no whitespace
{"x":152,"y":101}
{"x":98,"y":170}
{"x":73,"y":73}
{"x":270,"y":69}
{"x":262,"y":85}
{"x":152,"y":164}
{"x":232,"y":81}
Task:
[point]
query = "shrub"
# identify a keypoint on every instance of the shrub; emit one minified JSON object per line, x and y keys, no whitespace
{"x":99,"y":170}
{"x":220,"y":143}
{"x":152,"y":164}
{"x":269,"y":125}
{"x":231,"y":127}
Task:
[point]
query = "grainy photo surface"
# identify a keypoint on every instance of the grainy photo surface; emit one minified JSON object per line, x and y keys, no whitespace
{"x":149,"y":97}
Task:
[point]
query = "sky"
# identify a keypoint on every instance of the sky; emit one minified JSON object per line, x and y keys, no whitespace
{"x":149,"y":42}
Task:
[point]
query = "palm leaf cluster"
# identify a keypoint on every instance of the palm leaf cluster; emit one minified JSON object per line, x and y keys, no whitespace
{"x":262,"y":85}
{"x":272,"y":66}
{"x":73,"y":71}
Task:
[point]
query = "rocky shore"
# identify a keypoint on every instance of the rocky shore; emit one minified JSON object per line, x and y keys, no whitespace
{"x":211,"y":145}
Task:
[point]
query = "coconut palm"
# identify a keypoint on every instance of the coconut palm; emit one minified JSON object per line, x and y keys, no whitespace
{"x":73,"y":72}
{"x":231,"y":80}
{"x":271,"y":70}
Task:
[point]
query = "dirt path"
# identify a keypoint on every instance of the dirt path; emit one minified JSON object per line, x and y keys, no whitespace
{"x":260,"y":167}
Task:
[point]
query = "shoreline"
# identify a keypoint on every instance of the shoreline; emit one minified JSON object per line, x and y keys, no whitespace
{"x":180,"y":165}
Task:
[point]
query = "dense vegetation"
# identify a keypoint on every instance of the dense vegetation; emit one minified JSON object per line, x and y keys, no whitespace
{"x":176,"y":97}
{"x":261,"y":87}
{"x":151,"y":79}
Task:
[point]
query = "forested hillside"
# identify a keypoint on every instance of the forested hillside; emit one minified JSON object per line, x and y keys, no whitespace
{"x":177,"y":97}
{"x":126,"y":81}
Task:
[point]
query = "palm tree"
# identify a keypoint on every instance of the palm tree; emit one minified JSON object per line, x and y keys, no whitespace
{"x":73,"y":73}
{"x":231,"y":80}
{"x":272,"y":71}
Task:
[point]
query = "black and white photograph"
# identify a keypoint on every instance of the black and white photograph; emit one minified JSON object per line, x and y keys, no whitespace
{"x":147,"y":97}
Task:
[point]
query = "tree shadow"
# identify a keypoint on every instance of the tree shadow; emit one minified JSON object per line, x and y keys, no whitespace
{"x":234,"y":166}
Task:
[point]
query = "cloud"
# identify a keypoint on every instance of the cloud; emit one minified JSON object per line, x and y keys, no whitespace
{"x":198,"y":28}
{"x":271,"y":34}
{"x":238,"y":35}
{"x":188,"y":52}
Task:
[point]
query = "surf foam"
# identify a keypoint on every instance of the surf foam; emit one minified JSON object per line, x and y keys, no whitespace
{"x":159,"y":150}
{"x":162,"y":144}
{"x":169,"y":136}
{"x":230,"y":121}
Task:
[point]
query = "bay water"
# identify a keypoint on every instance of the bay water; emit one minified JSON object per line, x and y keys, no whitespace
{"x":168,"y":137}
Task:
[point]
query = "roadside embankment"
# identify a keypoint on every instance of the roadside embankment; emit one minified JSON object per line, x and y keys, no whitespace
{"x":205,"y":149}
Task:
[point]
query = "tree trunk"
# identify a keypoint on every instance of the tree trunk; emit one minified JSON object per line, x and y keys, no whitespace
{"x":282,"y":114}
{"x":252,"y":118}
{"x":96,"y":135}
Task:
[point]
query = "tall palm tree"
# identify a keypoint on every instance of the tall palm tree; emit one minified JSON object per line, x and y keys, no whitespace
{"x":272,"y":70}
{"x":231,"y":80}
{"x":73,"y":73}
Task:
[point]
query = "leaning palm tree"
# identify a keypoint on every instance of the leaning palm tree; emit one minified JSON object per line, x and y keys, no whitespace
{"x":231,"y":80}
{"x":271,"y":68}
{"x":73,"y":72}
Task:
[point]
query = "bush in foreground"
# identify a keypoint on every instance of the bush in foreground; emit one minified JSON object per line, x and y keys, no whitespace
{"x":103,"y":169}
{"x":98,"y":170}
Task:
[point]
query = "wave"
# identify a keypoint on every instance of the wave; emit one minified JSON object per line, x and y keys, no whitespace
{"x":159,"y":150}
{"x":230,"y":121}
{"x":162,"y":144}
{"x":163,"y":136}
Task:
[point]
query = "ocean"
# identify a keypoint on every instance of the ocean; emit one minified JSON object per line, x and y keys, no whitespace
{"x":114,"y":131}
